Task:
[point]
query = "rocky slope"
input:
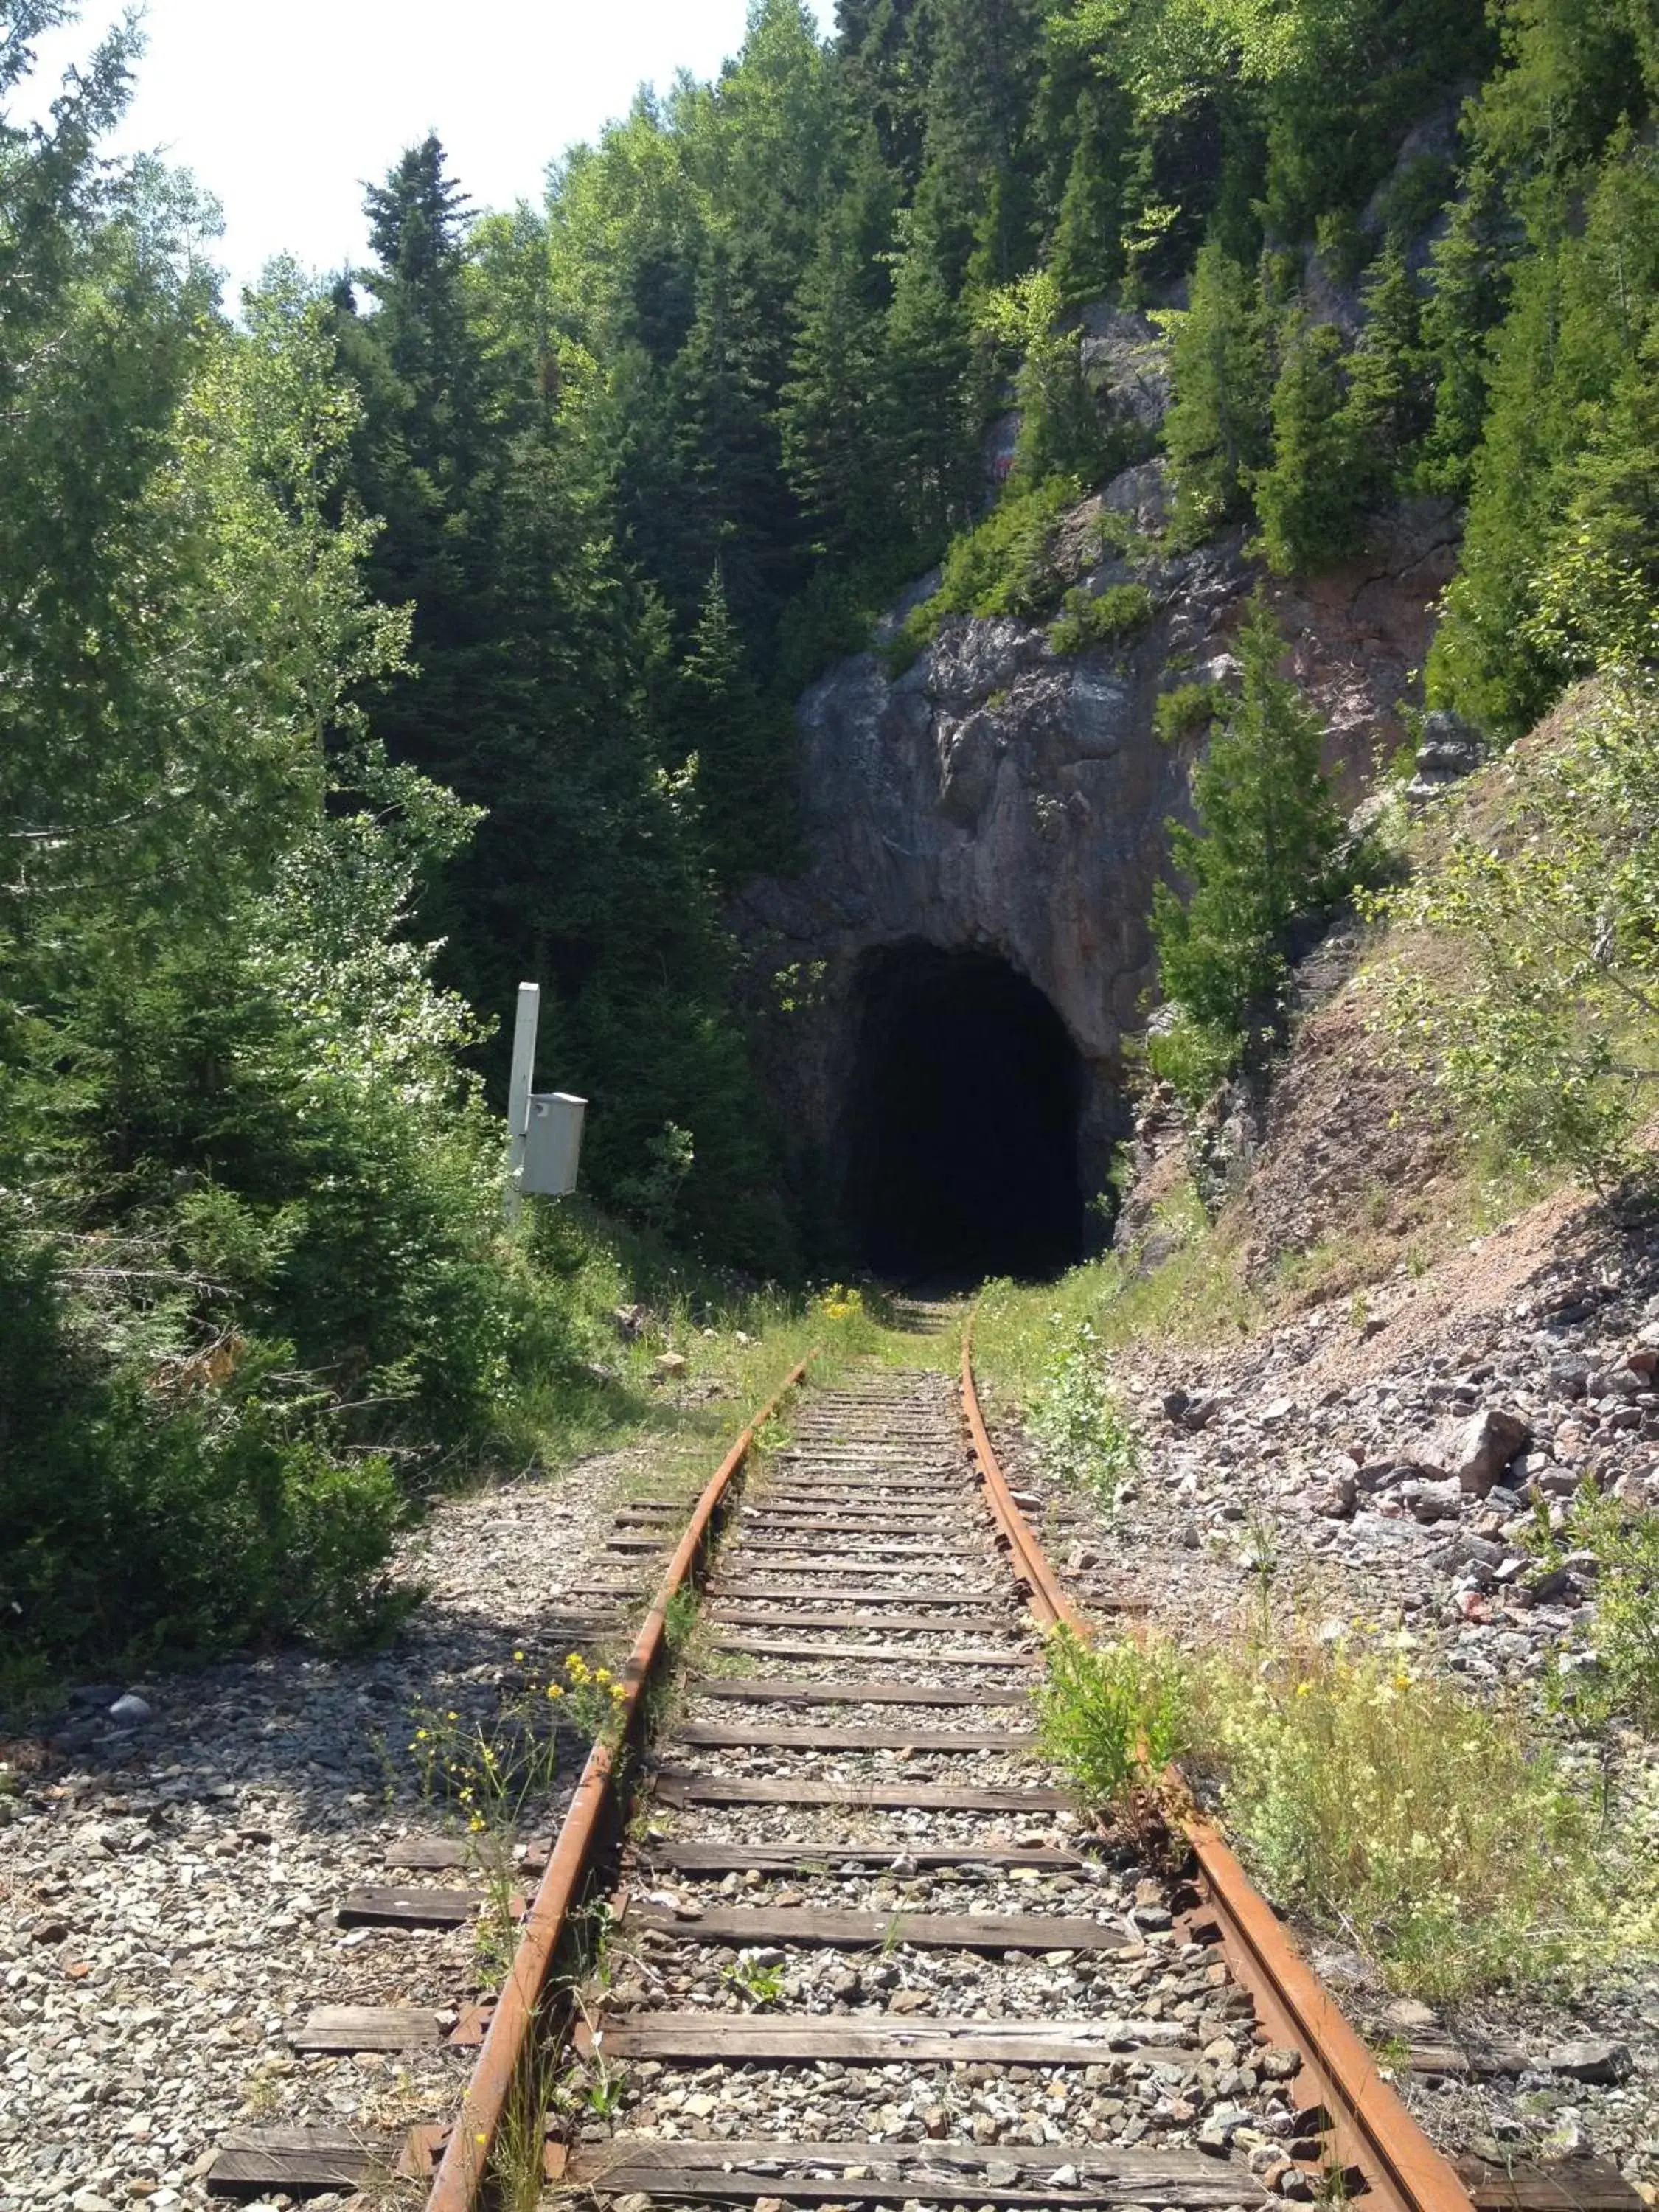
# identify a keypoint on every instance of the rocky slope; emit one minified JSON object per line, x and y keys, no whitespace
{"x":1374,"y":1457}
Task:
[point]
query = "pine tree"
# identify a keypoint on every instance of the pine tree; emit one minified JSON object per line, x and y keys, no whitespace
{"x":829,"y":409}
{"x":1389,"y":403}
{"x":929,"y":419}
{"x":1309,"y":497}
{"x":1086,"y":256}
{"x":975,"y":201}
{"x":1217,"y":432}
{"x":1261,"y":853}
{"x":741,"y":746}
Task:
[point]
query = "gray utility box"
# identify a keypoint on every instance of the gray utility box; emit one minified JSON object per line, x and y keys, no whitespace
{"x":553,"y":1144}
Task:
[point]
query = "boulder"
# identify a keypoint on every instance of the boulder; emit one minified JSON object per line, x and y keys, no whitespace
{"x":1592,"y":2061}
{"x":1473,"y":1452}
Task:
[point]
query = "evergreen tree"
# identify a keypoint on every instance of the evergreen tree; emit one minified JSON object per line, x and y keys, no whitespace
{"x":1217,"y":430}
{"x":744,"y":764}
{"x":1390,"y":402}
{"x":1086,"y":257}
{"x":930,"y":419}
{"x":829,"y":411}
{"x":886,"y":48}
{"x":1309,"y":497}
{"x":976,"y":197}
{"x":1261,"y":853}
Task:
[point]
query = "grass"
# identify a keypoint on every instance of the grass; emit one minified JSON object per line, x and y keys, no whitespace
{"x":1196,"y":1294}
{"x":1445,"y":1836}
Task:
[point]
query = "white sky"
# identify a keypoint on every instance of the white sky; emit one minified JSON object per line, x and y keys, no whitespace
{"x":284,"y":109}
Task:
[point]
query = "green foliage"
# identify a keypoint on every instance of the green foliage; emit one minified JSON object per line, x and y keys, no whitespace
{"x":1625,"y":1684}
{"x":1088,"y":618}
{"x":1217,"y":432}
{"x":1195,"y":1057}
{"x":1063,"y":431}
{"x":1004,"y":567}
{"x":1439,"y":1832}
{"x":1306,"y":497}
{"x":1113,"y":1715}
{"x":1263,"y":855}
{"x":1552,"y":1037}
{"x":1078,"y":1424}
{"x":1186,"y":710}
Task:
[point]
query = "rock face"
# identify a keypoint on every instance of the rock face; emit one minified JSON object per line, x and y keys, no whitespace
{"x":1003,"y":798}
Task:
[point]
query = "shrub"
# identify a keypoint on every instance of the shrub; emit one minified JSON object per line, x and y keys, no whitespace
{"x":1003,"y":566}
{"x":1625,"y":1682}
{"x":1086,"y":620}
{"x":1113,"y":1715}
{"x":1440,"y":1831}
{"x":1185,"y":711}
{"x":1077,"y":1419}
{"x":1552,"y":1039}
{"x":172,"y":1511}
{"x":1194,"y":1058}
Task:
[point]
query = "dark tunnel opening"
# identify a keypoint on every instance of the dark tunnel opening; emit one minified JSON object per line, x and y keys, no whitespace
{"x":962,"y":1128}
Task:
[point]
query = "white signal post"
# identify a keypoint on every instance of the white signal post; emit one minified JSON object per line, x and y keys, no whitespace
{"x":545,"y":1128}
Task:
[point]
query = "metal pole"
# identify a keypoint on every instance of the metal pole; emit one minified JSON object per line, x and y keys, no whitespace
{"x":517,"y":1094}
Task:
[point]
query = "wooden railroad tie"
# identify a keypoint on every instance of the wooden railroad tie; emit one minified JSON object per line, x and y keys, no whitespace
{"x":679,"y":1785}
{"x":713,"y":1735}
{"x":855,"y":1931}
{"x":770,"y":2039}
{"x":888,"y":2173}
{"x":764,"y":1690}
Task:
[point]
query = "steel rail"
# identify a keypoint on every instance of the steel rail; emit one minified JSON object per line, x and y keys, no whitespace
{"x":464,"y":2165}
{"x":1370,"y":2127}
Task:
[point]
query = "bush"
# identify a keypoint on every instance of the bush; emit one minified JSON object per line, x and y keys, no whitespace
{"x":1194,"y":1058}
{"x":1113,"y":1716}
{"x":1185,"y":711}
{"x":1004,"y":567}
{"x":1085,"y":620}
{"x":171,"y":1511}
{"x":1440,"y":1833}
{"x":1625,"y":1684}
{"x":1550,"y":1041}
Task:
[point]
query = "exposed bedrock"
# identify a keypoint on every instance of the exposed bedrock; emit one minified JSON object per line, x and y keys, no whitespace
{"x":1001,"y":799}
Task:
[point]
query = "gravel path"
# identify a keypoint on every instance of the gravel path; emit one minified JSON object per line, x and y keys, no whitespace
{"x":171,"y":1891}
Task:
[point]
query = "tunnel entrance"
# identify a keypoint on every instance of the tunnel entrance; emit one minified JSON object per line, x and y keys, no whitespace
{"x":963,"y":1126}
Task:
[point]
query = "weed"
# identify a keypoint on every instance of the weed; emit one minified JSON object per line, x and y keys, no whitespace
{"x":1260,"y":1556}
{"x":680,"y":1617}
{"x":1625,"y":1681}
{"x":1113,"y":1715}
{"x":1078,"y":1421}
{"x":762,"y":1985}
{"x":515,"y":2155}
{"x":1441,"y":1834}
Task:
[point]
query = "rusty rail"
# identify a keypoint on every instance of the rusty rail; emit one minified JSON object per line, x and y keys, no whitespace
{"x":465,"y":2162}
{"x":1370,"y":2127}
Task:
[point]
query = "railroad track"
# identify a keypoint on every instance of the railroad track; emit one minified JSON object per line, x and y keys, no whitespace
{"x":860,"y":1948}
